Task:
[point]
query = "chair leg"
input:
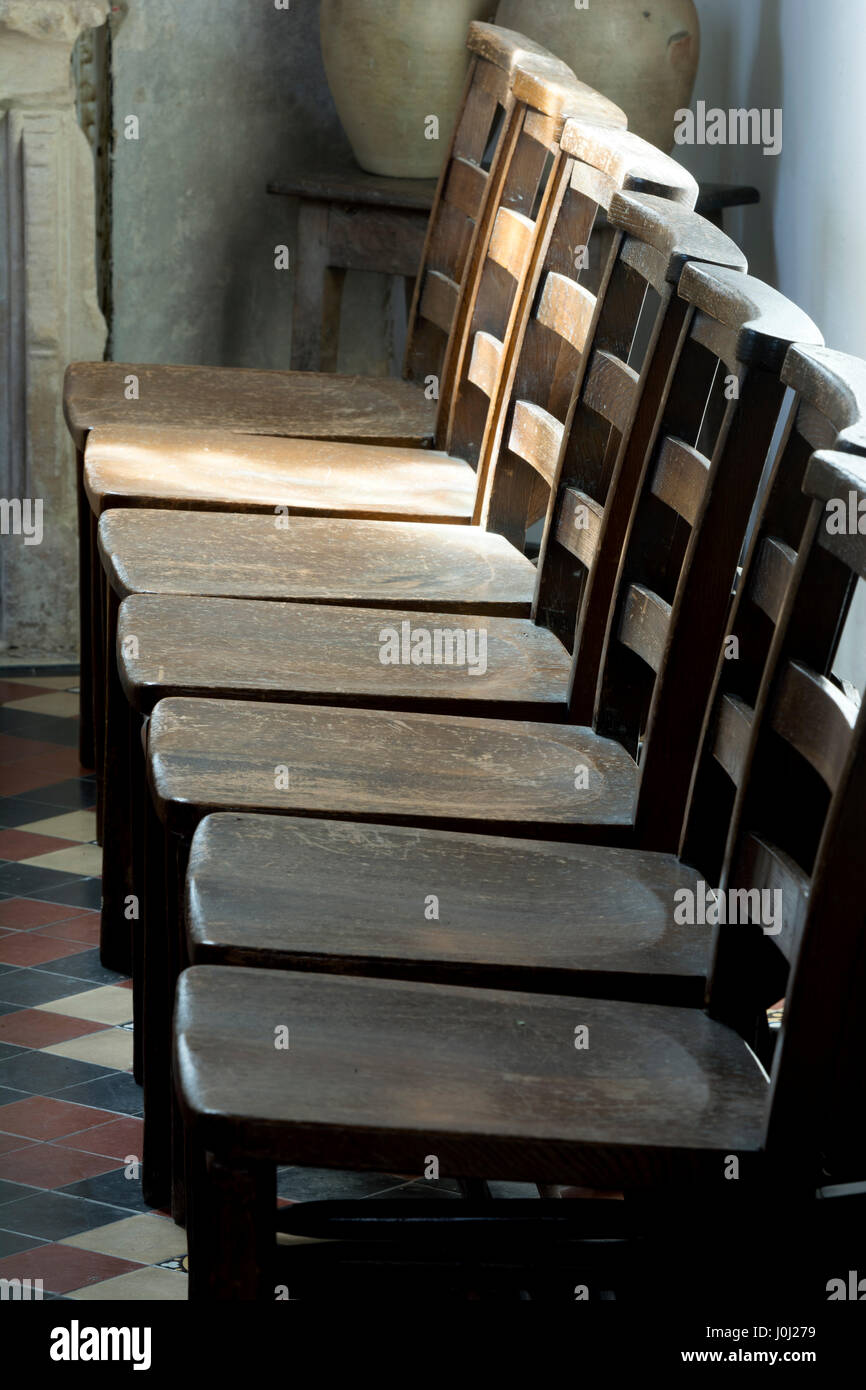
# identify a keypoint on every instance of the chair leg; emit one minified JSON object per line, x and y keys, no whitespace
{"x":98,"y":599}
{"x":118,"y":886}
{"x":85,"y":730}
{"x":157,"y":994}
{"x":230,"y":1231}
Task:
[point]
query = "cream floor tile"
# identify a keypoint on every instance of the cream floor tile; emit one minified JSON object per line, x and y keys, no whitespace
{"x":72,"y":825}
{"x":111,"y":1048}
{"x":107,"y":1004}
{"x":159,"y":1285}
{"x":62,"y":702}
{"x":148,"y":1239}
{"x":78,"y":859}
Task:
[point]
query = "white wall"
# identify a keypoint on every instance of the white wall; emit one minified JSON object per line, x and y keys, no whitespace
{"x":806,"y":236}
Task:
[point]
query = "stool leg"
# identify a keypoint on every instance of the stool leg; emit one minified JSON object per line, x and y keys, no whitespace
{"x":117,"y":851}
{"x":85,"y":729}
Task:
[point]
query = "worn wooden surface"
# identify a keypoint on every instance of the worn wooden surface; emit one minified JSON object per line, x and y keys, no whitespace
{"x":355,"y":899}
{"x":221,"y":471}
{"x":390,"y":563}
{"x":834,"y":384}
{"x":415,"y":769}
{"x":247,"y":401}
{"x":307,"y":652}
{"x":381,"y":1072}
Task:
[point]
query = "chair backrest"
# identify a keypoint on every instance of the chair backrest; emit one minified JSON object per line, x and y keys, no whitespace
{"x":503,"y":251}
{"x":699,"y":480}
{"x":546,"y":356}
{"x":610,"y":419}
{"x":829,"y":409}
{"x":799,"y":841}
{"x":470,"y":175}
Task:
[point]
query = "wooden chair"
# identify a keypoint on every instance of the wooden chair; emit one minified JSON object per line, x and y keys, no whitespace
{"x":140,"y":468}
{"x":320,"y":405}
{"x":188,"y":646}
{"x":284,"y":893}
{"x":563,"y":782}
{"x":521,"y":1102}
{"x":421,"y":567}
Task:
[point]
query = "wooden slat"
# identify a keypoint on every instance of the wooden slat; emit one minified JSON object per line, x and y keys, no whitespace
{"x":486,"y":361}
{"x":536,"y":436}
{"x":760,"y":865}
{"x":579,"y":525}
{"x":644,"y":625}
{"x":680,"y":477}
{"x":594,"y":184}
{"x":566,"y":308}
{"x":772,"y":574}
{"x":610,"y":388}
{"x":511,"y":241}
{"x":815,"y":428}
{"x":439,"y":300}
{"x":733,"y":731}
{"x":817,"y":719}
{"x":465,"y":186}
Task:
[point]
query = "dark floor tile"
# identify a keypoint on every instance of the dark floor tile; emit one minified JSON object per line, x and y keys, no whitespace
{"x":72,"y":794}
{"x":27,"y":880}
{"x":20,"y":810}
{"x":114,"y":1187}
{"x":25,"y":987}
{"x":11,"y":1050}
{"x":413,"y":1191}
{"x":9,"y":1097}
{"x":85,"y":965}
{"x":322,"y":1184}
{"x":43,"y":1073}
{"x":14,"y":673}
{"x":7,"y":1008}
{"x":116,"y":1092}
{"x":47,"y":728}
{"x":54,"y":1215}
{"x":14,"y":1191}
{"x":5,"y":967}
{"x":12,"y":1244}
{"x":81,"y":892}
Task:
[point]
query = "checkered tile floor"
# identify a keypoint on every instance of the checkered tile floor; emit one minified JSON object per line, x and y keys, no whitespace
{"x":71,"y":1210}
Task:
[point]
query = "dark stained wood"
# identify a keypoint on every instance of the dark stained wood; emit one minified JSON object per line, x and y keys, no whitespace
{"x":210,"y":469}
{"x":313,"y":559}
{"x":353,"y":184}
{"x":518,"y":1100}
{"x":418,"y":769}
{"x":347,"y":898}
{"x":313,"y":405}
{"x":307,"y":652}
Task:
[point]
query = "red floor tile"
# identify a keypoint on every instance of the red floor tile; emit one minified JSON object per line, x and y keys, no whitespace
{"x":13,"y":749}
{"x":23,"y":914}
{"x":18,"y":690}
{"x":119,"y":1139}
{"x":45,"y":1165}
{"x":63,"y":1267}
{"x":84,"y":928}
{"x":25,"y":948}
{"x":43,"y":770}
{"x":39,"y":1028}
{"x":8,"y":1142}
{"x":40,"y":1117}
{"x":20,"y":844}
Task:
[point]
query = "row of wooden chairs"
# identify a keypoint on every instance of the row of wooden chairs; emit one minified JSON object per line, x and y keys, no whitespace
{"x":434,"y":875}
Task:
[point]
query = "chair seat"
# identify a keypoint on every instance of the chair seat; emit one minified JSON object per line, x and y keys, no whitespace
{"x":406,"y":768}
{"x":379,"y":1073}
{"x":315,"y":405}
{"x":378,"y":563}
{"x":300,"y":651}
{"x":278,"y":893}
{"x":218,"y":469}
